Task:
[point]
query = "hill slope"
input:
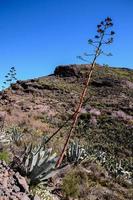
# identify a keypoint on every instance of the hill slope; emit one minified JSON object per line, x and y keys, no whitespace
{"x":106,"y":119}
{"x":40,"y":106}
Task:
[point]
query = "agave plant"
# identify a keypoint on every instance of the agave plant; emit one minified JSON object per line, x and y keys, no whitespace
{"x":39,"y":163}
{"x":44,"y":139}
{"x":16,"y":136}
{"x":100,"y":156}
{"x":75,"y":153}
{"x":4,"y":137}
{"x":116,"y":168}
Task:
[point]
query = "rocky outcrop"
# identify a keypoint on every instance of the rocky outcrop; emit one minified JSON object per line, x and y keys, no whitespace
{"x":31,"y":87}
{"x":105,"y":82}
{"x":67,"y":71}
{"x":12,"y":185}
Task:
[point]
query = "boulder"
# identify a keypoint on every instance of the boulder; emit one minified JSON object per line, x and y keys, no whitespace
{"x":67,"y":71}
{"x":16,"y":86}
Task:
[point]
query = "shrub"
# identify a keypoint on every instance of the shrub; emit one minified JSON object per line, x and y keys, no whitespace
{"x":4,"y":156}
{"x":71,"y":185}
{"x":75,"y":184}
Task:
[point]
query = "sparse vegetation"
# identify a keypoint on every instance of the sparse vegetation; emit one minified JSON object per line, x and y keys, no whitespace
{"x":100,"y":118}
{"x":75,"y":183}
{"x":4,"y":155}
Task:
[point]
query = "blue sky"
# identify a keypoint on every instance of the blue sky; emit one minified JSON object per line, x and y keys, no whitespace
{"x":37,"y":35}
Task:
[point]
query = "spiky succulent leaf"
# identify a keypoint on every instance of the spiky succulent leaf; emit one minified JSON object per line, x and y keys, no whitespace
{"x":39,"y":163}
{"x":16,"y":135}
{"x":75,"y":153}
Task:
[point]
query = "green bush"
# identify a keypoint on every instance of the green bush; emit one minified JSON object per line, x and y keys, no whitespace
{"x":70,"y":185}
{"x":75,"y":184}
{"x":4,"y":156}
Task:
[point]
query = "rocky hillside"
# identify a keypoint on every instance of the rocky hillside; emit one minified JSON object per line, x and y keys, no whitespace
{"x":40,"y":106}
{"x":43,"y":104}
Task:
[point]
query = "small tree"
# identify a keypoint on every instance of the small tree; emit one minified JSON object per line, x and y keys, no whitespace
{"x":103,"y":37}
{"x":10,"y":77}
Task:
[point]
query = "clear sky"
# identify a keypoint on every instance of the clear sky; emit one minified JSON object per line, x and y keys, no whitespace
{"x":37,"y":35}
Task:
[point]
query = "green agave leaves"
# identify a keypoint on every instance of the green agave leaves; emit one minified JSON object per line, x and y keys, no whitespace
{"x":39,"y":163}
{"x":116,"y":168}
{"x":75,"y":153}
{"x":16,"y":135}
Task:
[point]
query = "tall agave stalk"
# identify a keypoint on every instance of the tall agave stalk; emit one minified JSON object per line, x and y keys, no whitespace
{"x":98,"y":42}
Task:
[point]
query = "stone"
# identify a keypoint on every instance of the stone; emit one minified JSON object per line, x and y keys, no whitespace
{"x":67,"y":71}
{"x":11,"y":184}
{"x":22,"y":182}
{"x":36,"y":197}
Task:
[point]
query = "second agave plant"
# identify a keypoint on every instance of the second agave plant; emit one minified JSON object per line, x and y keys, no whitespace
{"x":75,"y":153}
